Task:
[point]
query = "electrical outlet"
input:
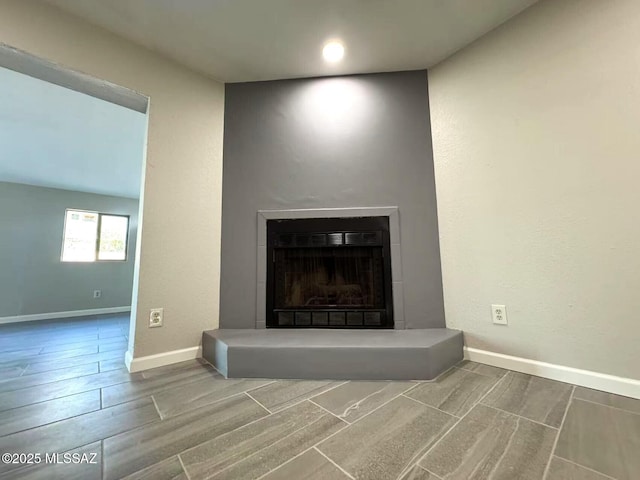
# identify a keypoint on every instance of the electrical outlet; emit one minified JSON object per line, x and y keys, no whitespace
{"x":155,"y":317}
{"x":499,"y":314}
{"x":97,"y":293}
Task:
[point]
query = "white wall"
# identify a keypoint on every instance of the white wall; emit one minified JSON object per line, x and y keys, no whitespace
{"x":536,"y":146}
{"x":179,"y":267}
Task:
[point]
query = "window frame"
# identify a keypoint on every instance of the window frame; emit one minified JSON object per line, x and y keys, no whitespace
{"x":98,"y":235}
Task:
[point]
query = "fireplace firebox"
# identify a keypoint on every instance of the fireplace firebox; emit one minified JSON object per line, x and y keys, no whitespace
{"x":329,"y":273}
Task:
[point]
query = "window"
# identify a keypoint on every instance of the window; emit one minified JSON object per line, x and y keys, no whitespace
{"x":93,"y":236}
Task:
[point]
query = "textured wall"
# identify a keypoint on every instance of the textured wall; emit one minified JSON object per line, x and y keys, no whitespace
{"x":180,"y":221}
{"x":536,"y":158}
{"x":359,"y":141}
{"x":32,"y":277}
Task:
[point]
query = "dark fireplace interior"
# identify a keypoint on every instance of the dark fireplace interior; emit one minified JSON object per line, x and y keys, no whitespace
{"x":329,"y":273}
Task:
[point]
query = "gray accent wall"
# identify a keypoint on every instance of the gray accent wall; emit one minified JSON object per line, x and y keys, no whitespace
{"x":339,"y":142}
{"x":33,"y":280}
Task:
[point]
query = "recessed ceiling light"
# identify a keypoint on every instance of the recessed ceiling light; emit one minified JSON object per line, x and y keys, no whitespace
{"x":333,"y":52}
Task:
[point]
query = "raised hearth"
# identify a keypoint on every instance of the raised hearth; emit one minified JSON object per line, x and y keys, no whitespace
{"x":333,"y":354}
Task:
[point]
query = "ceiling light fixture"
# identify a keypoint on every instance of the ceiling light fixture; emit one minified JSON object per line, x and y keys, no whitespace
{"x":333,"y":51}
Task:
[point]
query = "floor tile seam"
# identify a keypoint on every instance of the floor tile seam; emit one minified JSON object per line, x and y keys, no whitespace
{"x":285,"y":463}
{"x":409,"y":388}
{"x":16,"y":351}
{"x":48,"y":423}
{"x":275,"y":442}
{"x":454,"y":391}
{"x":363,"y":417}
{"x":48,"y":400}
{"x":88,"y":346}
{"x":433,"y":380}
{"x":61,"y":368}
{"x":558,"y":396}
{"x":191,"y":379}
{"x":220,"y":436}
{"x":431,"y":406}
{"x":298,"y":402}
{"x":80,"y":415}
{"x":372,"y":411}
{"x":29,"y":335}
{"x":356,"y":403}
{"x":47,"y":383}
{"x":458,"y":419}
{"x":437,"y":442}
{"x":340,"y":384}
{"x":427,"y":448}
{"x":227,"y":397}
{"x":429,"y":471}
{"x":328,"y":411}
{"x":8,"y":356}
{"x":483,"y":374}
{"x":555,"y":440}
{"x":78,"y":345}
{"x":520,"y":416}
{"x":608,"y":406}
{"x":155,"y":404}
{"x":583,"y":466}
{"x":184,"y":469}
{"x":269,"y":382}
{"x":75,"y":416}
{"x":32,"y":359}
{"x":334,"y":463}
{"x":249,"y":395}
{"x":44,"y":341}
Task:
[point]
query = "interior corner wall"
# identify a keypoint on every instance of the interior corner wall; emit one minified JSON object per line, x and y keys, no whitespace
{"x":33,"y":280}
{"x":356,"y":141}
{"x":179,"y":265}
{"x":536,"y":158}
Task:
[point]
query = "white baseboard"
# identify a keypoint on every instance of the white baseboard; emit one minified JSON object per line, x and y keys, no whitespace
{"x":161,"y":359}
{"x":72,"y":313}
{"x":585,"y":378}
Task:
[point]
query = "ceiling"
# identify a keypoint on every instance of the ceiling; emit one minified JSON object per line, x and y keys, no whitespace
{"x":248,"y":40}
{"x":55,"y":137}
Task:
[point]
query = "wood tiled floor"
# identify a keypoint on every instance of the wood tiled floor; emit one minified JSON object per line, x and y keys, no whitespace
{"x":64,"y":388}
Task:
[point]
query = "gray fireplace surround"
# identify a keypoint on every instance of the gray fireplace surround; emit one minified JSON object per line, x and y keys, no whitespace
{"x":309,"y":353}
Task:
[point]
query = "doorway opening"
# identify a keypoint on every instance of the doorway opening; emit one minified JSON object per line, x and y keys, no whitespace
{"x":72,"y":168}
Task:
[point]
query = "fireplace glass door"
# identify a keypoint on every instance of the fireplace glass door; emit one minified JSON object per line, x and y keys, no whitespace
{"x":329,"y":279}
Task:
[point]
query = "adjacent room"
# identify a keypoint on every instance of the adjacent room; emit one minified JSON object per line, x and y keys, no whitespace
{"x":70,"y":173}
{"x":278,"y":239}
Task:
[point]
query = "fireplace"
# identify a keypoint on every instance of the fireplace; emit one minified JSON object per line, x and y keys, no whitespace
{"x":329,"y":273}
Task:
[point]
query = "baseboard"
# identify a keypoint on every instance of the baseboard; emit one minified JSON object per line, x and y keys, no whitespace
{"x":71,"y":314}
{"x":585,"y":378}
{"x":161,"y":359}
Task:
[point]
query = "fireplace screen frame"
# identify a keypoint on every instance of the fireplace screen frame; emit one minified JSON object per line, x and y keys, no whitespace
{"x":329,"y":233}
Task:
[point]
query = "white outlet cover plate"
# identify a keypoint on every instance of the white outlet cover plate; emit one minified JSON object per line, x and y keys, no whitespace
{"x":499,"y":314}
{"x":156,"y":323}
